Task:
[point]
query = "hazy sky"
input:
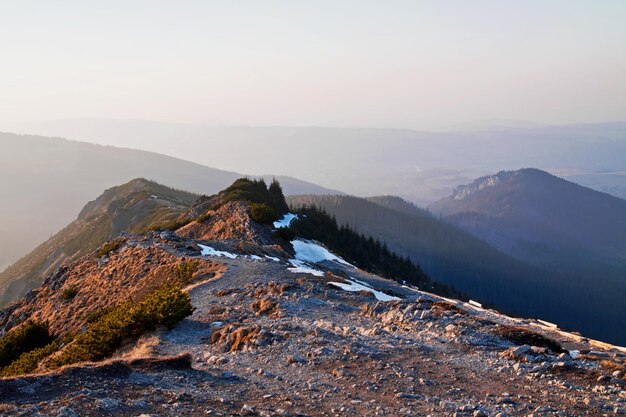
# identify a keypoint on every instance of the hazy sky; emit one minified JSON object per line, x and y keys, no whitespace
{"x":337,"y":63}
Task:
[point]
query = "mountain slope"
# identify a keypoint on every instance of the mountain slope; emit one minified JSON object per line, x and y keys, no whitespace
{"x":541,"y":218}
{"x":472,"y":266}
{"x":165,"y":323}
{"x":132,"y":207}
{"x":56,"y":177}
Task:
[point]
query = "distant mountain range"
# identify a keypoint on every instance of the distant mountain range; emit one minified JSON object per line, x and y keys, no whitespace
{"x":44,"y":182}
{"x":419,"y":166}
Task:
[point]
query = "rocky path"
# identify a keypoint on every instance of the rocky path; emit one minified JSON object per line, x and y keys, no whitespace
{"x":265,"y":341}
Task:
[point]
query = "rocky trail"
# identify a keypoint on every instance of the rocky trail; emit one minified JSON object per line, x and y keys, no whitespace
{"x":266,"y":341}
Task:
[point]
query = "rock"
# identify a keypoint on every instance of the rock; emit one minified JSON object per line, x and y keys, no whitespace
{"x":603,"y":378}
{"x":248,"y":410}
{"x":450,"y":328}
{"x":108,"y":404}
{"x":617,"y":374}
{"x":295,"y":359}
{"x":67,"y":412}
{"x":520,"y":351}
{"x":539,"y":350}
{"x":618,"y":381}
{"x":479,"y":413}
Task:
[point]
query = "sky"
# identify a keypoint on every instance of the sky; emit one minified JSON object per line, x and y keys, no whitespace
{"x":349,"y":63}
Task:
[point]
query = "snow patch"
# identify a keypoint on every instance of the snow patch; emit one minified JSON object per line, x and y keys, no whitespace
{"x":301,"y":267}
{"x":209,"y":251}
{"x":285,"y":221}
{"x":308,"y":251}
{"x":272,"y":258}
{"x":353,"y":286}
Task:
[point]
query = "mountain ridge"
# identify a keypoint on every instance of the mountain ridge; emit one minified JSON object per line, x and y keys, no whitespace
{"x":164,"y":322}
{"x":61,"y":175}
{"x":524,"y":204}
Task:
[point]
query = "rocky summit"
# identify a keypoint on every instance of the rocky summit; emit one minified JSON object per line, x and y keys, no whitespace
{"x":281,"y":325}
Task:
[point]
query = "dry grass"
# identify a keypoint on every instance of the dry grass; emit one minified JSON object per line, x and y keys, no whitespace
{"x":272,"y":288}
{"x":612,"y":366}
{"x":524,"y":336}
{"x":234,"y":339}
{"x":440,"y":307}
{"x":267,"y":307}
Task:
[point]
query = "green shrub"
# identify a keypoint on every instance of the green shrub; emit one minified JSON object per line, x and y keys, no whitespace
{"x":108,"y":247}
{"x":171,"y":226}
{"x":105,"y":335}
{"x":256,"y":191}
{"x":69,"y":293}
{"x":184,"y":272}
{"x":203,"y":217}
{"x":97,"y":314}
{"x":262,"y":213}
{"x":28,"y":361}
{"x":285,"y":234}
{"x":523,"y":336}
{"x":25,"y":338}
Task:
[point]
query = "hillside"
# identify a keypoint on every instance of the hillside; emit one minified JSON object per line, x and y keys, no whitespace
{"x":541,"y":218}
{"x":225,"y":316}
{"x":419,"y":166}
{"x":132,"y":207}
{"x":470,"y":265}
{"x":57,"y":176}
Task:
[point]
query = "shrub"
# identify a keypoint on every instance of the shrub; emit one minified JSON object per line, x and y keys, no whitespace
{"x":171,"y":226}
{"x":184,"y":272}
{"x":97,"y":314}
{"x":523,"y":336}
{"x":105,"y":334}
{"x":203,"y":217}
{"x":28,"y":361}
{"x":285,"y":234}
{"x":256,"y":191}
{"x":25,"y":338}
{"x":108,"y":247}
{"x":69,"y":293}
{"x":262,"y":213}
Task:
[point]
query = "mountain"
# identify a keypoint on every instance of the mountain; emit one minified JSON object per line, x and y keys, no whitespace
{"x":419,"y":166}
{"x":227,"y":315}
{"x":478,"y":269}
{"x":132,"y":207}
{"x":45,"y":181}
{"x":538,"y":217}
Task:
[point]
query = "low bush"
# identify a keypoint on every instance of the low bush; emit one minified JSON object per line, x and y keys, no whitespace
{"x":184,"y":272}
{"x":284,"y":233}
{"x":523,"y":336}
{"x":69,"y":293}
{"x":203,"y":217}
{"x":257,"y":191}
{"x":25,"y":338}
{"x":164,"y":307}
{"x":108,"y":247}
{"x":171,"y":226}
{"x":262,"y":213}
{"x":28,"y":361}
